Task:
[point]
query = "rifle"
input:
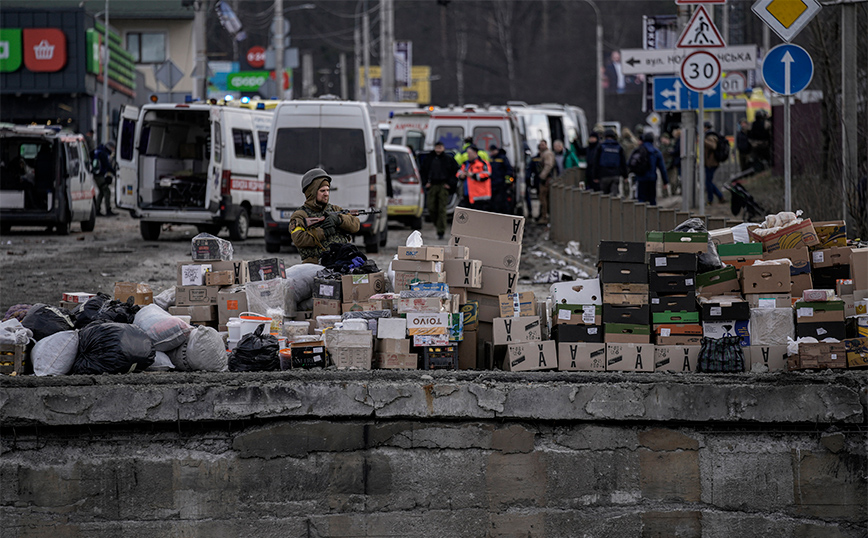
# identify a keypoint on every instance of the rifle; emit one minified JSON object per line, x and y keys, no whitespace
{"x":314,"y":221}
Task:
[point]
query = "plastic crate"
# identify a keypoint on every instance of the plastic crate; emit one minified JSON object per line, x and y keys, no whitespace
{"x":12,"y":358}
{"x":440,"y":358}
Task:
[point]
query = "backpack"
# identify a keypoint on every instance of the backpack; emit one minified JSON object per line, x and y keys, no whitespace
{"x":640,"y":161}
{"x":96,"y":163}
{"x":721,"y":152}
{"x":609,"y":155}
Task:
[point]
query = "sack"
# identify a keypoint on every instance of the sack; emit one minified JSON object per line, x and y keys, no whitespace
{"x":256,"y":352}
{"x":165,"y":330}
{"x":721,"y":355}
{"x":300,"y":277}
{"x":162,"y":363}
{"x":204,"y":351}
{"x":609,"y":155}
{"x":88,"y":312}
{"x":55,"y":354}
{"x":118,"y":312}
{"x":166,"y":298}
{"x":113,"y":348}
{"x":640,"y":161}
{"x":44,"y":320}
{"x":721,"y":152}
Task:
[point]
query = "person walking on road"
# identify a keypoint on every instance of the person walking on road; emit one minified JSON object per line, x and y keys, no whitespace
{"x":742,"y":144}
{"x":438,"y":174}
{"x":502,"y":177}
{"x":103,"y":176}
{"x":610,"y":165}
{"x":312,"y":240}
{"x":591,"y":183}
{"x":711,"y":164}
{"x":548,"y":172}
{"x":476,"y":173}
{"x":646,"y":183}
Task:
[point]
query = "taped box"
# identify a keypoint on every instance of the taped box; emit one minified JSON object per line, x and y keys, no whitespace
{"x":141,"y":293}
{"x":676,"y":358}
{"x":581,"y":357}
{"x":531,"y":356}
{"x":434,"y":254}
{"x":766,"y":358}
{"x":517,"y":304}
{"x":393,"y":345}
{"x":361,"y":287}
{"x":629,"y":357}
{"x":396,"y":361}
{"x":219,"y":278}
{"x":510,"y":330}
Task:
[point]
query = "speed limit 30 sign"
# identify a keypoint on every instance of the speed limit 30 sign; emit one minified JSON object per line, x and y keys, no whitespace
{"x":700,"y":71}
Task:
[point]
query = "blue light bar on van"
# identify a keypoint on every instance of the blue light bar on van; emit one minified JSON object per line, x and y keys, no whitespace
{"x":245,"y":99}
{"x":260,"y":106}
{"x":228,"y":97}
{"x":188,"y":98}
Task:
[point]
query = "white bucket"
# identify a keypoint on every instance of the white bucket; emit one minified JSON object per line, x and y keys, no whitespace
{"x":251,"y":320}
{"x":233,"y":326}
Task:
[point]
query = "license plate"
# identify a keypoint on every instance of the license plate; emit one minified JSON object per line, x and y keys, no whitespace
{"x":286,"y":213}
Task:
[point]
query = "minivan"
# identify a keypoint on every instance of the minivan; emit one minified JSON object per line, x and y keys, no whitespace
{"x":194,"y":164}
{"x":342,"y":138}
{"x":45,"y":179}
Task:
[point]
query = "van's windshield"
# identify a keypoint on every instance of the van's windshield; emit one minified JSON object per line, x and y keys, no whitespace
{"x":337,"y":151}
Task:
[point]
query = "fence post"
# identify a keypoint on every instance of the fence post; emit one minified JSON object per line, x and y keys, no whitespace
{"x":605,"y":217}
{"x":615,"y":230}
{"x":652,"y":218}
{"x":681,"y":216}
{"x":628,"y":219}
{"x":715,"y":223}
{"x":557,"y":213}
{"x":638,"y":230}
{"x":583,"y":220}
{"x":596,"y":200}
{"x":666,"y":220}
{"x":571,"y":204}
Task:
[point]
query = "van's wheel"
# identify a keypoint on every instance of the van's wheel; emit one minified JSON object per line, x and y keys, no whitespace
{"x":89,"y":224}
{"x":212,"y":229}
{"x":150,"y":230}
{"x":65,"y":225}
{"x":239,"y":227}
{"x":372,"y":244}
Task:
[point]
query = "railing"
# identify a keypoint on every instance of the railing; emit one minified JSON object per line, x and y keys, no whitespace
{"x":590,"y":217}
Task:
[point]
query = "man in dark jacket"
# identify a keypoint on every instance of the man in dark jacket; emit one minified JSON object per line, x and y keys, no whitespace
{"x":610,"y":165}
{"x":103,"y":177}
{"x":438,"y":175}
{"x":315,"y":238}
{"x":591,"y":151}
{"x":742,"y":144}
{"x":647,"y":183}
{"x":502,"y":178}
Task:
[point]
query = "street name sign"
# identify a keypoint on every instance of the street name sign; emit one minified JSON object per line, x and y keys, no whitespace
{"x":786,"y":17}
{"x":668,"y":61}
{"x":700,"y":32}
{"x":700,"y":71}
{"x":788,"y":69}
{"x":671,"y":95}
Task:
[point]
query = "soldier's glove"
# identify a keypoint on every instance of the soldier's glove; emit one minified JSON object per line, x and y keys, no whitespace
{"x":331,"y":222}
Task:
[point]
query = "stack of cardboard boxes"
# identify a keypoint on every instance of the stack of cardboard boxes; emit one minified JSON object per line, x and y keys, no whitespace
{"x":577,"y":325}
{"x":211,"y":291}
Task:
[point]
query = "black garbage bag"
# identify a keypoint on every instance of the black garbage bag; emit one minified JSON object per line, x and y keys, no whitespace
{"x":118,"y":311}
{"x":105,"y":347}
{"x":256,"y":352}
{"x":90,"y":309}
{"x":44,"y":320}
{"x":708,"y":260}
{"x":346,"y":258}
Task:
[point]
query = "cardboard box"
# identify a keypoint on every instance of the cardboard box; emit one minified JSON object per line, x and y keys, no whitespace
{"x":266,"y":269}
{"x":517,"y":304}
{"x":497,"y":281}
{"x":799,"y":283}
{"x":396,"y":361}
{"x":669,"y":283}
{"x":577,"y":357}
{"x":196,"y":295}
{"x":623,"y":273}
{"x":511,"y":330}
{"x":196,"y":313}
{"x":361,"y":287}
{"x":496,"y":254}
{"x":721,"y":236}
{"x":678,"y":334}
{"x":718,"y":282}
{"x":859,"y":268}
{"x":460,"y":293}
{"x":765,"y":279}
{"x":819,"y":312}
{"x":219,"y":278}
{"x":488,"y":307}
{"x":658,"y":318}
{"x":210,"y":248}
{"x":434,"y":254}
{"x":740,"y":261}
{"x":578,"y":314}
{"x":629,"y":357}
{"x":625,"y":294}
{"x":621,"y":251}
{"x":626,"y":334}
{"x":719,"y":329}
{"x":682,"y":302}
{"x":192,"y":274}
{"x":689,"y":242}
{"x":405,"y":279}
{"x":799,"y":256}
{"x":857,"y":352}
{"x":308,"y":354}
{"x":77,"y":296}
{"x":723,"y":307}
{"x":585,"y":291}
{"x":463,"y":273}
{"x":360,"y":306}
{"x":467,"y":351}
{"x":417,"y":266}
{"x":350,"y":349}
{"x":531,"y":356}
{"x":822,"y":355}
{"x":420,"y":305}
{"x":830,"y":257}
{"x":794,"y":236}
{"x":773,"y":358}
{"x":470,"y":311}
{"x":326,"y":307}
{"x":676,"y":262}
{"x":457,"y":253}
{"x":427,"y":324}
{"x":392,"y":345}
{"x":844,"y":286}
{"x":771,"y":326}
{"x":484,"y":225}
{"x":676,"y":358}
{"x":631,"y":315}
{"x":831,"y":233}
{"x":141,"y":293}
{"x":826,"y":277}
{"x":577,"y":333}
{"x":740,"y":249}
{"x":823,"y":330}
{"x":428,"y":340}
{"x":769,"y":300}
{"x":327,"y":287}
{"x":231,"y":302}
{"x":392,"y":328}
{"x":654,"y":242}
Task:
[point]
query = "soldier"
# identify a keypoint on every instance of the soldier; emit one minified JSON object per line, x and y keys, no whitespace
{"x":312,"y":240}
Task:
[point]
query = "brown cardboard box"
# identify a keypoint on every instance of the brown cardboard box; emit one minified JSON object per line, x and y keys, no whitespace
{"x":619,"y":333}
{"x":629,"y":358}
{"x":467,"y":351}
{"x":769,"y":300}
{"x":829,"y":257}
{"x":531,"y":356}
{"x":230,"y":304}
{"x":192,"y":274}
{"x":765,"y":279}
{"x":457,"y":253}
{"x":822,"y":355}
{"x":461,"y":293}
{"x":511,"y":330}
{"x":219,"y":278}
{"x":196,"y":295}
{"x":678,"y":334}
{"x":393,"y":345}
{"x":196,"y":313}
{"x":266,"y":269}
{"x":427,"y":324}
{"x":326,"y":307}
{"x":434,"y":254}
{"x":859,"y":268}
{"x":497,"y":281}
{"x":496,"y":254}
{"x":581,"y":357}
{"x":676,"y":358}
{"x":799,"y":256}
{"x":417,"y":266}
{"x":722,"y":236}
{"x":141,"y":293}
{"x":396,"y":361}
{"x":463,"y":273}
{"x":796,"y":235}
{"x":857,"y":352}
{"x":361,"y":287}
{"x":819,"y":312}
{"x":360,"y":306}
{"x":625,"y":294}
{"x":240,"y":269}
{"x":718,"y":282}
{"x":489,"y":306}
{"x":404,"y":278}
{"x":350,"y":349}
{"x":517,"y":304}
{"x":431,"y":305}
{"x":485,"y":225}
{"x":772,"y":357}
{"x":800,"y":283}
{"x":831,"y":233}
{"x":578,"y":314}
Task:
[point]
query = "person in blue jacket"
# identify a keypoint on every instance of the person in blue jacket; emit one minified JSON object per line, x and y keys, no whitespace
{"x":646,"y":184}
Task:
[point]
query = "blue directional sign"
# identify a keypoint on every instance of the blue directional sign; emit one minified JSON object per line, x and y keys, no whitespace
{"x":788,"y":69}
{"x":671,"y":95}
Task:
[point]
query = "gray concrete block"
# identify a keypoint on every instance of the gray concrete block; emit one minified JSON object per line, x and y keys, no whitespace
{"x":299,"y":439}
{"x":594,"y":437}
{"x":577,"y":480}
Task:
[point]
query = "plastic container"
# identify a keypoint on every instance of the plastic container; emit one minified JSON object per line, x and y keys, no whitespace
{"x":251,"y":320}
{"x":233,"y":327}
{"x":285,"y":359}
{"x":291,"y":329}
{"x":281,"y":342}
{"x":327,"y":322}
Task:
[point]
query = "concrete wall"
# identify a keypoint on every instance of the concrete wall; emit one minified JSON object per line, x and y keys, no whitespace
{"x":339,"y":454}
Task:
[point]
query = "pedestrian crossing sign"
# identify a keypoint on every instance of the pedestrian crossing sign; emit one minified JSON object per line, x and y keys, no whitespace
{"x":700,"y":32}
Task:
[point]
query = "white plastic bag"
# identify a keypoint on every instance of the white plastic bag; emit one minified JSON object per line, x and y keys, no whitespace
{"x":165,"y":299}
{"x":274,"y":293}
{"x":55,"y":354}
{"x":165,"y":331}
{"x":13,"y":332}
{"x":414,"y":239}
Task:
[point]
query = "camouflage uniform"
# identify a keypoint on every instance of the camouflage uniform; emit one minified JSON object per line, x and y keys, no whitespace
{"x":313,"y":241}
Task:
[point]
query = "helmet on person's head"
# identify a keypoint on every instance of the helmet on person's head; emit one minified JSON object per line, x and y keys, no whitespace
{"x":311,"y":175}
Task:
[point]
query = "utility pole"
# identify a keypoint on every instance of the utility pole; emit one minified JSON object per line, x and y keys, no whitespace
{"x":366,"y":39}
{"x":345,"y":92}
{"x":688,"y":139}
{"x":601,"y":106}
{"x":106,"y":109}
{"x":357,"y":59}
{"x":200,"y":45}
{"x":279,"y":39}
{"x":849,"y":109}
{"x":387,"y":56}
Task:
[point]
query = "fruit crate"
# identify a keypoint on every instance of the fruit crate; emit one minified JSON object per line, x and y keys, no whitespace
{"x":12,"y":358}
{"x":440,"y":358}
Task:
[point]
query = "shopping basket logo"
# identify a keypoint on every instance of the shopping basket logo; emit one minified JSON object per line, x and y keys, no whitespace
{"x":44,"y":49}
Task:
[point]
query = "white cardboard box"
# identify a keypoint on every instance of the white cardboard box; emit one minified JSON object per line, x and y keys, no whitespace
{"x":395,"y":328}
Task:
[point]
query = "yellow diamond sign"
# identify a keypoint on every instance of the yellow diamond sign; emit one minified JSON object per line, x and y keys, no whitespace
{"x":786,"y":17}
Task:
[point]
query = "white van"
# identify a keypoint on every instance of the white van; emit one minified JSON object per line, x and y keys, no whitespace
{"x":45,"y":179}
{"x":409,"y":129}
{"x":194,"y":164}
{"x":341,"y":137}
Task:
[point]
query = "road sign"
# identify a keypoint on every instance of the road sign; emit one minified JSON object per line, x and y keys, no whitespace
{"x":700,"y":32}
{"x":787,"y":69}
{"x":668,"y":61}
{"x":684,"y":2}
{"x":671,"y":95}
{"x":168,"y":74}
{"x":256,"y":57}
{"x":786,"y":17}
{"x":652,"y":118}
{"x":734,"y":105}
{"x":700,"y":71}
{"x":733,"y":82}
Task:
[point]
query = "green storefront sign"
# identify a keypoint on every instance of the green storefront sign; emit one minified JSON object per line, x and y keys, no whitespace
{"x":92,"y":53}
{"x":246,"y":81}
{"x":10,"y":49}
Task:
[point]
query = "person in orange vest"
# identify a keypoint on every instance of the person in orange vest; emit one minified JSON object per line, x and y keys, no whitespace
{"x":476,"y":173}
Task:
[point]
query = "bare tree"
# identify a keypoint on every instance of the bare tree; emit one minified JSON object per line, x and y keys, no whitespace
{"x":460,"y":56}
{"x":503,"y":17}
